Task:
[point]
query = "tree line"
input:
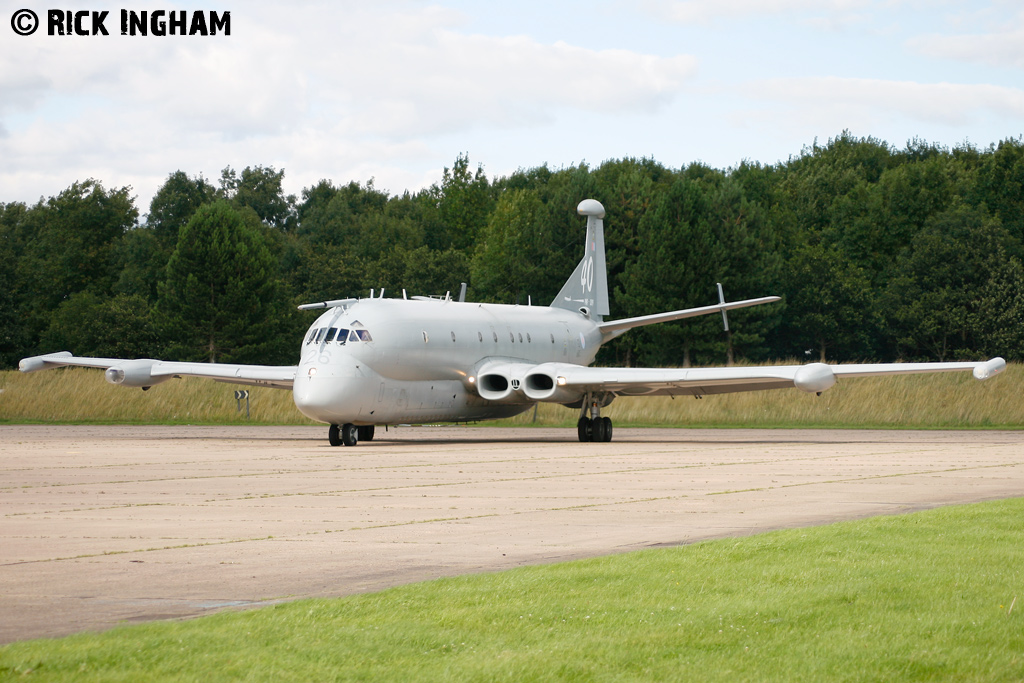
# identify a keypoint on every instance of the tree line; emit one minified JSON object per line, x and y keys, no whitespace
{"x":880,"y":254}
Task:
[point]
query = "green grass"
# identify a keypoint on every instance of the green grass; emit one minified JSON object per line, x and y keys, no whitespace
{"x":939,"y":401}
{"x":937,"y":595}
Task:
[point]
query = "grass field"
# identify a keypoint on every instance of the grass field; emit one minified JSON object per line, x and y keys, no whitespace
{"x":936,"y":595}
{"x":951,"y":400}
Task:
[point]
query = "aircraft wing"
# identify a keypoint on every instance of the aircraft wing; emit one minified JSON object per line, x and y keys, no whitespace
{"x":145,"y":372}
{"x":574,"y":380}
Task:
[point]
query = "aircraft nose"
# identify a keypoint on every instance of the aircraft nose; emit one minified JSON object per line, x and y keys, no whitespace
{"x":330,"y":393}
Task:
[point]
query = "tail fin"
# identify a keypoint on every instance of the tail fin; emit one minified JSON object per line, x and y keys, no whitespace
{"x":586,"y":290}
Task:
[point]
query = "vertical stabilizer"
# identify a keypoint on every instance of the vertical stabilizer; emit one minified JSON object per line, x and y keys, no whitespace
{"x":587,"y":287}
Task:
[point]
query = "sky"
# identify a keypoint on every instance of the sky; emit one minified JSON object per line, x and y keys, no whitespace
{"x":394,"y":90}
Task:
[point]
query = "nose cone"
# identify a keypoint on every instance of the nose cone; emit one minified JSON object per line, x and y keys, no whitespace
{"x":335,"y":393}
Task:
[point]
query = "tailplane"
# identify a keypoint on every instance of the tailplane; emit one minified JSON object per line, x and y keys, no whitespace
{"x":586,"y":290}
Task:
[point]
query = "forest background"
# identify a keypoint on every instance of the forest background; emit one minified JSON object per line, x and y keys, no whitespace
{"x":879,"y":253}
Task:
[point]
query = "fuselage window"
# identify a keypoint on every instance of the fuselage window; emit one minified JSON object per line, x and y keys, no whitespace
{"x":480,"y":336}
{"x":364,"y":335}
{"x":528,"y":339}
{"x":552,"y":337}
{"x":330,"y":334}
{"x":511,"y":337}
{"x":352,"y":336}
{"x":320,"y":334}
{"x":426,"y":339}
{"x":342,"y":336}
{"x":520,"y":337}
{"x":311,"y":337}
{"x":453,"y":337}
{"x":495,"y":334}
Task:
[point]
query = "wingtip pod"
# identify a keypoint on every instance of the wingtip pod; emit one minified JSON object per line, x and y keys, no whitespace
{"x":42,"y":362}
{"x":989,"y":368}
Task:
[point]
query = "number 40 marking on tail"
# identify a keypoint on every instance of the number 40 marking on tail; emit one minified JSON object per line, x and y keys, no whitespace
{"x":587,"y":274}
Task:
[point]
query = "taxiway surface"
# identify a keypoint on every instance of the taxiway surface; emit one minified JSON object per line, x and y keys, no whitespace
{"x":111,"y":524}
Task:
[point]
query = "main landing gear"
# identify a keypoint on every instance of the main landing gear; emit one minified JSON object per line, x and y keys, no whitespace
{"x":349,"y":434}
{"x":595,"y":427}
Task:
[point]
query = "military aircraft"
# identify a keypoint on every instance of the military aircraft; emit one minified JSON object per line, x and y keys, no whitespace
{"x":378,"y":361}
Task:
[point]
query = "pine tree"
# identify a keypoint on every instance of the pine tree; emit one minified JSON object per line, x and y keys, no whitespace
{"x":219,"y":298}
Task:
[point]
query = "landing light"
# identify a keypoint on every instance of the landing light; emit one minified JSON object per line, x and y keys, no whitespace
{"x":471,"y":380}
{"x":312,"y":371}
{"x":562,"y":381}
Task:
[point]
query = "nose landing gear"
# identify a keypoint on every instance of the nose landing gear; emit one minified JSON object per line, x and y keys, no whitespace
{"x":348,"y":434}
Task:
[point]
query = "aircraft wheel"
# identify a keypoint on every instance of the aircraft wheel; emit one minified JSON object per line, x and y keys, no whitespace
{"x":599,"y":430}
{"x":334,"y":435}
{"x":583,"y":428}
{"x":607,"y":428}
{"x":349,"y":434}
{"x":366,"y":433}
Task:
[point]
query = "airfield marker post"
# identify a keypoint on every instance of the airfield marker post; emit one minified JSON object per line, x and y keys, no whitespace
{"x":239,"y":395}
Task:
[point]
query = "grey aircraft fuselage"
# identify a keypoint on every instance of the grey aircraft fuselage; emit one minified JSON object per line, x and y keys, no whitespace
{"x":433,"y":359}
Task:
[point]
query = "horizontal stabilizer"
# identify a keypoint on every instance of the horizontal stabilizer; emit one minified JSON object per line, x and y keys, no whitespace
{"x":614,"y":328}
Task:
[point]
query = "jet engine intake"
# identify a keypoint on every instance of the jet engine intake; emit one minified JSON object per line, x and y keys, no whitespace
{"x":541,"y":384}
{"x":502,"y":382}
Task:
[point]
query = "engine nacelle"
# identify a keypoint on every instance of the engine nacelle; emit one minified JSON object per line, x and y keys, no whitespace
{"x":542,"y":384}
{"x":134,"y":373}
{"x":502,"y":381}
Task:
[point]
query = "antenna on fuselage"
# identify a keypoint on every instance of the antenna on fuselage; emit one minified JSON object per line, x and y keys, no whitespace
{"x":462,"y":292}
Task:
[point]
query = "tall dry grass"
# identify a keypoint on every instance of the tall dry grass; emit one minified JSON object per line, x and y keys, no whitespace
{"x":82,"y":395}
{"x":951,"y":400}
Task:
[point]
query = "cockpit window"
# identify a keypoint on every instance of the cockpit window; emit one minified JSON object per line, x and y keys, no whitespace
{"x":338,"y":334}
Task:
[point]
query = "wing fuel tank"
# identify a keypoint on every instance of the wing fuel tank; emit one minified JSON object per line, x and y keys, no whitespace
{"x":814,"y":378}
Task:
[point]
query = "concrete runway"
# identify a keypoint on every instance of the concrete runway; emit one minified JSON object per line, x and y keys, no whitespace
{"x":105,"y":525}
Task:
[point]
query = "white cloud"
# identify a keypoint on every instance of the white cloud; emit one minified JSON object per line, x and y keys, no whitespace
{"x":949,"y":104}
{"x":1002,"y":49}
{"x":336,"y":90}
{"x":705,"y":11}
{"x":395,"y":89}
